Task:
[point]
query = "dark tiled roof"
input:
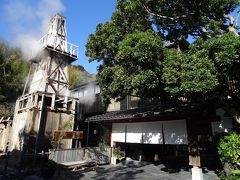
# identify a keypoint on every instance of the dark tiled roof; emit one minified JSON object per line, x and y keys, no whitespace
{"x":150,"y":111}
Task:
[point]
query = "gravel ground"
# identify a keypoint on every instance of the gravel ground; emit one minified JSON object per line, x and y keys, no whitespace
{"x":130,"y":169}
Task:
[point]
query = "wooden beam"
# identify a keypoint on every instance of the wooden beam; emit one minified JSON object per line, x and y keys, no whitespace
{"x":53,"y":102}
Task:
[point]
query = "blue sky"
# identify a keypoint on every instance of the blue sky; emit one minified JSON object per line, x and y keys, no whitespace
{"x":82,"y":18}
{"x":18,"y":18}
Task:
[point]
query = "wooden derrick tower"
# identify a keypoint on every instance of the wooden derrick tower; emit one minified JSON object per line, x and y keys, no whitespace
{"x":46,"y":107}
{"x":51,"y":64}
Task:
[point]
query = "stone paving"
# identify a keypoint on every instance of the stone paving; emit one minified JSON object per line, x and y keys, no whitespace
{"x":139,"y":171}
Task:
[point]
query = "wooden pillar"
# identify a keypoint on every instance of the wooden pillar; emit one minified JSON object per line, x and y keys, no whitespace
{"x":41,"y":121}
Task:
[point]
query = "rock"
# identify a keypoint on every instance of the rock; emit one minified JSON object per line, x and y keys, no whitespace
{"x":228,"y":169}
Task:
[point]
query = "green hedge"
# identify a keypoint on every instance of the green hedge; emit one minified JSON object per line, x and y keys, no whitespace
{"x":229,"y":150}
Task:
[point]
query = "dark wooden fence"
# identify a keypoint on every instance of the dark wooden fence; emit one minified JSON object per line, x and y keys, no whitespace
{"x":101,"y":156}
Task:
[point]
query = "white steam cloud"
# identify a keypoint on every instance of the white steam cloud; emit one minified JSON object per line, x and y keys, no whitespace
{"x":29,"y":21}
{"x":89,"y":95}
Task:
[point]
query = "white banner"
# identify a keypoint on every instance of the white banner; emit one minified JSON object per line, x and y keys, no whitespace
{"x":134,"y":132}
{"x":152,"y":133}
{"x":175,"y":132}
{"x":118,"y":132}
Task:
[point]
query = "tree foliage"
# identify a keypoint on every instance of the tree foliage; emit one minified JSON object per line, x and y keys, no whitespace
{"x":186,"y":74}
{"x":223,"y":52}
{"x":137,"y":67}
{"x":13,"y":71}
{"x":144,"y":49}
{"x":229,"y":150}
{"x":176,"y":20}
{"x":77,"y":75}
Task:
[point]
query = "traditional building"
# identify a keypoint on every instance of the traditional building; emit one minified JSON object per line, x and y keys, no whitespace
{"x":152,"y":130}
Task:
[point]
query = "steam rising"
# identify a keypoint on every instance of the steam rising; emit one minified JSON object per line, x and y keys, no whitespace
{"x":89,"y":95}
{"x":29,"y":21}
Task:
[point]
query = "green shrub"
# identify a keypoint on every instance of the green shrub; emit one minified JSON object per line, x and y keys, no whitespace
{"x":236,"y":172}
{"x":223,"y":176}
{"x":102,"y":144}
{"x":230,"y":177}
{"x":116,"y":152}
{"x":229,"y":150}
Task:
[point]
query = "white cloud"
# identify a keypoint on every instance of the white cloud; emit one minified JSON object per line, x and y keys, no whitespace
{"x":46,"y":9}
{"x":29,"y":20}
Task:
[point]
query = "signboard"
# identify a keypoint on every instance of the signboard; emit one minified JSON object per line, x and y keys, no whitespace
{"x":67,"y":135}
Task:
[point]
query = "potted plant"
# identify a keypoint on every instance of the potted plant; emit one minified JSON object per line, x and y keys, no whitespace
{"x":116,"y":155}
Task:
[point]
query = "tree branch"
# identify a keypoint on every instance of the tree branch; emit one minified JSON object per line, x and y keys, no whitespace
{"x":231,"y":23}
{"x":163,"y":16}
{"x":231,"y":19}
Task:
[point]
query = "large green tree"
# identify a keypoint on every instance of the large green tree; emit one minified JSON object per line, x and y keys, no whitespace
{"x":207,"y":66}
{"x":136,"y":69}
{"x":144,"y":49}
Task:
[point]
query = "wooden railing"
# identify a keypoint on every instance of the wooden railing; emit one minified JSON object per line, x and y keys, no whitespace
{"x":81,"y":154}
{"x":58,"y":43}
